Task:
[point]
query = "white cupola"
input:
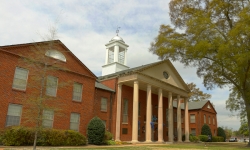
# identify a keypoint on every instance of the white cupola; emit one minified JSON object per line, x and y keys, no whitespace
{"x":116,"y":56}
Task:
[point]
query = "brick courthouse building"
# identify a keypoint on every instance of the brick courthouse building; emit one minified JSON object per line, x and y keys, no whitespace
{"x":135,"y":104}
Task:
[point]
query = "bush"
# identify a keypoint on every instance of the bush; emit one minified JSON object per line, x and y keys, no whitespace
{"x":205,"y":130}
{"x":107,"y":140}
{"x":203,"y":138}
{"x":217,"y":139}
{"x":17,"y":136}
{"x":96,"y":131}
{"x":221,"y":133}
{"x":193,"y":138}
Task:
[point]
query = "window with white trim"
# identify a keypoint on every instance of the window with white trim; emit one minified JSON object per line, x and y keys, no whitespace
{"x":193,"y":131}
{"x":20,"y":79}
{"x":213,"y":121}
{"x":13,"y":115}
{"x":192,"y":118}
{"x":74,"y":121}
{"x":121,"y":56}
{"x":209,"y":120}
{"x":77,"y":92}
{"x":104,"y":122}
{"x":125,"y":111}
{"x":51,"y":85}
{"x":48,"y":118}
{"x":205,"y":120}
{"x":110,"y":56}
{"x":104,"y":104}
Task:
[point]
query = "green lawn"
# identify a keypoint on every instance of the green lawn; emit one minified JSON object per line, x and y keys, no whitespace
{"x":215,"y":146}
{"x":175,"y":146}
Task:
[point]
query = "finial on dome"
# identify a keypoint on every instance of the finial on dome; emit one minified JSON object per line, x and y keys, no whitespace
{"x":117,"y":30}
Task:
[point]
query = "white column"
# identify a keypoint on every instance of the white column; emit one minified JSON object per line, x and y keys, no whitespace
{"x":179,"y":119}
{"x":125,"y":57}
{"x":186,"y":121}
{"x":118,"y":113}
{"x":135,"y":112}
{"x":170,"y":118}
{"x":107,"y":56}
{"x":148,"y":115}
{"x":116,"y":53}
{"x":160,"y":116}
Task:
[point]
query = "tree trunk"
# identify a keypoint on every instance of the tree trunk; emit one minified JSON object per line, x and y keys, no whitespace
{"x":35,"y":139}
{"x":247,"y":103}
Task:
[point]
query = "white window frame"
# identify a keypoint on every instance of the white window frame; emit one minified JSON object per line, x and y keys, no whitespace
{"x":74,"y":121}
{"x":77,"y":93}
{"x":192,"y":118}
{"x":121,"y":56}
{"x":125,"y":111}
{"x":111,"y":55}
{"x":193,"y":131}
{"x":23,"y":79}
{"x":51,"y":87}
{"x":48,"y":118}
{"x":104,"y":104}
{"x":16,"y":113}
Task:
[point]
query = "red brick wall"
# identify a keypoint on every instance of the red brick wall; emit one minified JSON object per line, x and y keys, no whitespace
{"x":63,"y":101}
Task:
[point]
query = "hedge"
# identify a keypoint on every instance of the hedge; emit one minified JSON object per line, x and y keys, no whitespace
{"x":23,"y":136}
{"x":217,"y":139}
{"x":203,"y":138}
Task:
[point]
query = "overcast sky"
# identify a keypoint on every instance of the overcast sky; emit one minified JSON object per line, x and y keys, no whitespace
{"x":85,"y":26}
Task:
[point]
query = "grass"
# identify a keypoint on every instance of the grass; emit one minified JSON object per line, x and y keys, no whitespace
{"x":175,"y":146}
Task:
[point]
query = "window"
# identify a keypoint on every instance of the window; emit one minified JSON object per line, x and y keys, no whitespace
{"x":209,"y":119}
{"x":175,"y":117}
{"x":193,"y":131}
{"x":213,"y":121}
{"x":139,"y":109}
{"x":56,"y":54}
{"x":121,"y":56}
{"x":20,"y":79}
{"x":51,"y":86}
{"x":205,"y":119}
{"x":125,"y":111}
{"x":110,"y":56}
{"x":13,"y":115}
{"x":77,"y":92}
{"x":182,"y":118}
{"x":74,"y":121}
{"x":166,"y":117}
{"x":48,"y":118}
{"x":208,"y":106}
{"x":104,"y":122}
{"x":104,"y":104}
{"x":192,"y":118}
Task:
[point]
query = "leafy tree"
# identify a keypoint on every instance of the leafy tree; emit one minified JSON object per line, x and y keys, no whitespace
{"x":244,"y":128}
{"x":205,"y":130}
{"x":228,"y":131}
{"x":95,"y":131}
{"x":214,"y":38}
{"x":221,"y":132}
{"x":196,"y":94}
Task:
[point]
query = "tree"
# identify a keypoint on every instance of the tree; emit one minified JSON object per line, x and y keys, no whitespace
{"x":214,"y":38}
{"x":228,"y":131}
{"x":96,"y":131}
{"x":221,"y":132}
{"x":205,"y":130}
{"x":244,"y":128}
{"x":196,"y":94}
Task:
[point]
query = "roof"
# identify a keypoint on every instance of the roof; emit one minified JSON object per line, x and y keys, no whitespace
{"x":128,"y":70}
{"x":56,"y":41}
{"x":192,"y":105}
{"x":103,"y":87}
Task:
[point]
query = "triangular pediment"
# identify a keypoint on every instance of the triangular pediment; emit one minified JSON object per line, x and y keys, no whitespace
{"x":165,"y":72}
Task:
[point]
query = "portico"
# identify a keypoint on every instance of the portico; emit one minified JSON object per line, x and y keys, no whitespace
{"x":164,"y":93}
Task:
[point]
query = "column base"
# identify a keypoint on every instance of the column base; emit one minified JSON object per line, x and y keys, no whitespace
{"x":160,"y":141}
{"x":134,"y":141}
{"x":187,"y":141}
{"x":118,"y":140}
{"x":179,"y":141}
{"x":148,"y":141}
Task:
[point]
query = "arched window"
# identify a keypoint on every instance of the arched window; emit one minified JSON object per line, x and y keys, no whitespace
{"x":56,"y":54}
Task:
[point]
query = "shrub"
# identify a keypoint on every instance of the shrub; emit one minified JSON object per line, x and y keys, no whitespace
{"x":95,"y":131}
{"x":221,"y":133}
{"x":217,"y":139}
{"x":74,"y":138}
{"x":203,"y":138}
{"x":107,"y":138}
{"x":18,"y":136}
{"x":193,"y":138}
{"x":205,"y":130}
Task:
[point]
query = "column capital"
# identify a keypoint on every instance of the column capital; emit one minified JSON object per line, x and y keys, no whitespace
{"x":136,"y":82}
{"x":170,"y":93}
{"x":159,"y":89}
{"x":149,"y":86}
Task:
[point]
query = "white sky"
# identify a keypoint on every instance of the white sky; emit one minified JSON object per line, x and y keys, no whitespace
{"x":85,"y":26}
